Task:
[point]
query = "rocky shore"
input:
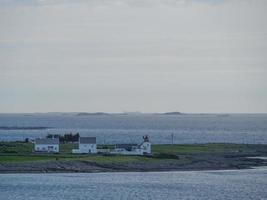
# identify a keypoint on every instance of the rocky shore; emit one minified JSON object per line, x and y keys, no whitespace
{"x":182,"y":163}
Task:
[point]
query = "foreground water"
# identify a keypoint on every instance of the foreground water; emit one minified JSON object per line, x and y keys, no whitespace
{"x":189,"y":128}
{"x":234,"y":184}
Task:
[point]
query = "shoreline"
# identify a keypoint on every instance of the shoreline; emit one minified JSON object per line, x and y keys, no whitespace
{"x":152,"y":171}
{"x":264,"y":167}
{"x":238,"y":163}
{"x":123,"y":171}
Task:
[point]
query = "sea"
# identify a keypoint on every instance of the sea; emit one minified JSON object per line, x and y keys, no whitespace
{"x":197,"y":185}
{"x":130,"y":128}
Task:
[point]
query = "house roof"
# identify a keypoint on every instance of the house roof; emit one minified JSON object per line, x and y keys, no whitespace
{"x":87,"y":140}
{"x":47,"y":141}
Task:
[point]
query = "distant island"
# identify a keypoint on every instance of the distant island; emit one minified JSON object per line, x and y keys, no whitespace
{"x":23,"y":127}
{"x":172,"y":113}
{"x":91,"y":114}
{"x":127,"y":113}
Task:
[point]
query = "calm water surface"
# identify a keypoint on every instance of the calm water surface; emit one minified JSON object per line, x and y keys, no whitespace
{"x":189,"y":128}
{"x":221,"y":185}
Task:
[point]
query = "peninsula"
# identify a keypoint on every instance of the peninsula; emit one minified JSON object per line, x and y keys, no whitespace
{"x":18,"y":157}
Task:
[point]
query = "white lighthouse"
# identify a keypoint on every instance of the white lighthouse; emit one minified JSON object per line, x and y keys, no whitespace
{"x":146,"y":145}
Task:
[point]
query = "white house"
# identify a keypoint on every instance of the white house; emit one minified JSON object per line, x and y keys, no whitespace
{"x":133,"y":149}
{"x":86,"y":145}
{"x":50,"y":145}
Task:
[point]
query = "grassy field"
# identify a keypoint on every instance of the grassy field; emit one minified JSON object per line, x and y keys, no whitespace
{"x":18,"y":152}
{"x":24,"y":158}
{"x":199,"y":148}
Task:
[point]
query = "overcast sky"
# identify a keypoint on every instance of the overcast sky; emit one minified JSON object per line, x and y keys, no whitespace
{"x":133,"y":55}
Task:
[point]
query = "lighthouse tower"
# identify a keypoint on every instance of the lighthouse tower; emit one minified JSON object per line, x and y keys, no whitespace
{"x":146,"y":145}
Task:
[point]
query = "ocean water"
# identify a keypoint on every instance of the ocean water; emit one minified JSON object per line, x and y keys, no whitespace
{"x":188,"y":128}
{"x":215,"y":185}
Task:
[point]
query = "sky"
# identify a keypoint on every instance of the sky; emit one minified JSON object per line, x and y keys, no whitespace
{"x":195,"y":56}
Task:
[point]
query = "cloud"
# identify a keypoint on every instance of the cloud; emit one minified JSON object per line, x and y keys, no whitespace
{"x":149,"y":55}
{"x":104,"y":2}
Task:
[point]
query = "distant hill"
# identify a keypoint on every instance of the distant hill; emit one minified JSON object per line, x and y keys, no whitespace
{"x":91,"y":114}
{"x":172,"y":113}
{"x":23,"y":128}
{"x":125,"y":113}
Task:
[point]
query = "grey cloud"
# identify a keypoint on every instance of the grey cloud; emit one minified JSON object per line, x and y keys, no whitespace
{"x":203,"y":58}
{"x":104,"y":2}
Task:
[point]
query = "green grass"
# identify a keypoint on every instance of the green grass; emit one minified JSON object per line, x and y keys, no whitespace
{"x":65,"y":149}
{"x":21,"y":159}
{"x":15,"y":147}
{"x":198,"y":148}
{"x":17,"y":152}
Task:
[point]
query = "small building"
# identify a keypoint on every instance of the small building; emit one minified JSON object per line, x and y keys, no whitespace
{"x":86,"y":145}
{"x":49,"y":145}
{"x":133,"y":149}
{"x":145,"y":145}
{"x":127,"y":149}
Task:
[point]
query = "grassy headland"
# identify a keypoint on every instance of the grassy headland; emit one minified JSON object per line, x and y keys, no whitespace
{"x":18,"y":157}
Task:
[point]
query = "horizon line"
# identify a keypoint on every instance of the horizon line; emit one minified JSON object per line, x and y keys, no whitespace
{"x":130,"y":112}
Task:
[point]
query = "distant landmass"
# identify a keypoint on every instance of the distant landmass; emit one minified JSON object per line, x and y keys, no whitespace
{"x":23,"y":127}
{"x":91,"y":114}
{"x":125,"y":113}
{"x":172,"y":113}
